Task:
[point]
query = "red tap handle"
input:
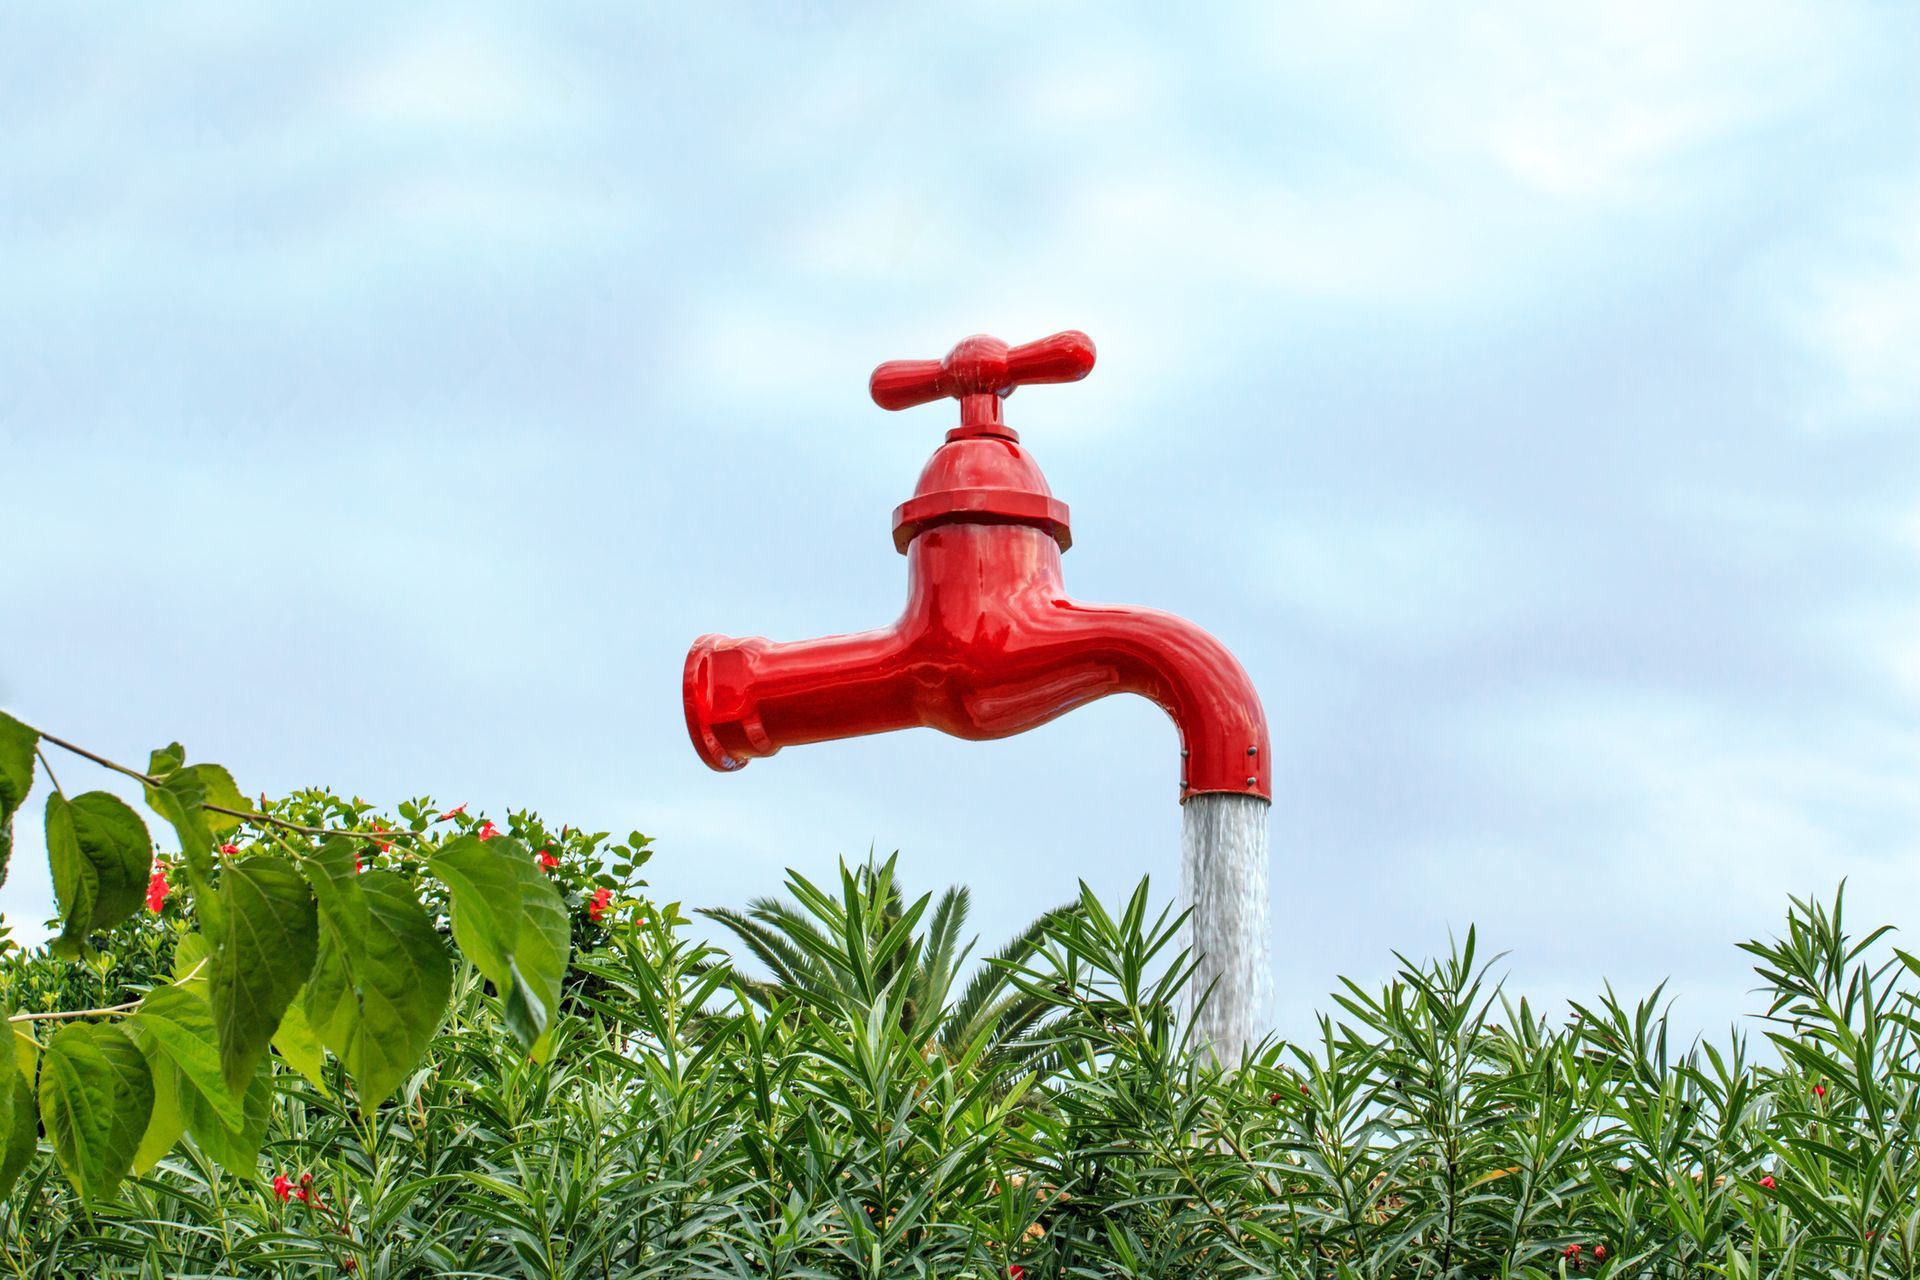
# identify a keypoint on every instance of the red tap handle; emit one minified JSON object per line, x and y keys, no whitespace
{"x":982,"y":366}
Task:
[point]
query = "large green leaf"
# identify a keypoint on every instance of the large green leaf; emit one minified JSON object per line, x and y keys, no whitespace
{"x":263,"y":946}
{"x":100,"y":855}
{"x":179,"y":1021}
{"x":20,"y":1137}
{"x":16,"y":779}
{"x":96,"y":1097}
{"x":382,"y":979}
{"x":235,"y":1148}
{"x":511,"y":922}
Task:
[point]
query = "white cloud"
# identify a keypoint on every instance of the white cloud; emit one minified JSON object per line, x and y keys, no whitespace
{"x":1862,"y":314}
{"x":454,"y":73}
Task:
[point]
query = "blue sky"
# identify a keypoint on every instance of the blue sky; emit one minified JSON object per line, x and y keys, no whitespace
{"x":1526,"y":393}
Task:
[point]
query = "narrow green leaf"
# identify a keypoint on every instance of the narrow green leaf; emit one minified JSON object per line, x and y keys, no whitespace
{"x":96,"y":1097}
{"x":9,"y":1104}
{"x":16,"y":779}
{"x":191,"y":961}
{"x":263,"y":948}
{"x":26,"y":1051}
{"x":382,"y":979}
{"x":180,"y":1024}
{"x":510,"y":920}
{"x":178,"y":799}
{"x":100,"y":855}
{"x":165,"y":1124}
{"x":299,"y":1046}
{"x":218,"y":787}
{"x":21,"y":1136}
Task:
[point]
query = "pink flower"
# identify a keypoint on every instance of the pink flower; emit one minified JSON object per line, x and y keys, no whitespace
{"x":487,"y":830}
{"x":546,"y":860}
{"x":157,"y":888}
{"x":602,"y":900}
{"x":451,"y":813}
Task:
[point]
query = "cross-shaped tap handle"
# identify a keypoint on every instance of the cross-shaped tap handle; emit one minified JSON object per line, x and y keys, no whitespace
{"x":980,"y":372}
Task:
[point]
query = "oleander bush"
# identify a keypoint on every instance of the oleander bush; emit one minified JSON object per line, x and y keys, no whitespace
{"x":563,"y":1081}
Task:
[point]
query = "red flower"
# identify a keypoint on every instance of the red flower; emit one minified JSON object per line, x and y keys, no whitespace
{"x":283,"y":1187}
{"x":1303,"y":1087}
{"x":386,"y":846}
{"x":1767,"y":1182}
{"x":487,"y":830}
{"x":1599,"y":1253}
{"x":547,"y":861}
{"x":357,"y":864}
{"x":456,"y":810}
{"x":157,"y":888}
{"x":1573,"y":1251}
{"x":1016,"y":1272}
{"x":602,"y":900}
{"x":1273,"y":1097}
{"x":1819,"y":1091}
{"x":229,"y":849}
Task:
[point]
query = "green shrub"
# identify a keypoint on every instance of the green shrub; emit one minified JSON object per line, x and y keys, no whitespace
{"x":863,"y":1106}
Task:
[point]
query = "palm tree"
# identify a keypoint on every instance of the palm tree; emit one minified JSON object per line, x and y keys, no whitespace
{"x":865,"y":948}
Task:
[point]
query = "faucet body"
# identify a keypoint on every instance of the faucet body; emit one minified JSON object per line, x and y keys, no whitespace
{"x":989,"y":643}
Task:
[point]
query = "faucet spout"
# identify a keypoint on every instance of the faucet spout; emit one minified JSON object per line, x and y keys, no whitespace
{"x":989,"y":645}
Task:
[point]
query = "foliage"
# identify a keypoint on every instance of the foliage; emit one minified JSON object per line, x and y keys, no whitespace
{"x":296,"y":943}
{"x":851,"y":951}
{"x":857,"y":1111}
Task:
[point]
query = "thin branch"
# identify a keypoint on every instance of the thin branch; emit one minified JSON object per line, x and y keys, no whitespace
{"x":267,"y":819}
{"x":100,"y":760}
{"x":48,"y":766}
{"x":111,"y":1010}
{"x":249,"y":815}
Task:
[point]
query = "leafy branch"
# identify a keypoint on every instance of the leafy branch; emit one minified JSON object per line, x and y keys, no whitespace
{"x":298,"y":954}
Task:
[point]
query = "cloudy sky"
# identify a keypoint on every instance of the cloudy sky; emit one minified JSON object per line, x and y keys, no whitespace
{"x":1529,"y":395}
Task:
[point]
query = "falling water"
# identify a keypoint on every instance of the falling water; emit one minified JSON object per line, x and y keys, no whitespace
{"x":1223,"y":879}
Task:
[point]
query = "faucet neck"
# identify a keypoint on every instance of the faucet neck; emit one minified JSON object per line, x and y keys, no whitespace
{"x":984,"y":564}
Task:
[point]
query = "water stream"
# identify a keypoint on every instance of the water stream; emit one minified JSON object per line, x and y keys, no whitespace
{"x":1223,"y":879}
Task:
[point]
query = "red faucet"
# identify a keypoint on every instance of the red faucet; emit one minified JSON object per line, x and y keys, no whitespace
{"x":989,"y":644}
